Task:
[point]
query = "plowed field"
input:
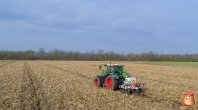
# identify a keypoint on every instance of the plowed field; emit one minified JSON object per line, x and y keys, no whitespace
{"x":68,"y":85}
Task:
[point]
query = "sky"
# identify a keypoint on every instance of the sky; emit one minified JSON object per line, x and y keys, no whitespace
{"x":127,"y":26}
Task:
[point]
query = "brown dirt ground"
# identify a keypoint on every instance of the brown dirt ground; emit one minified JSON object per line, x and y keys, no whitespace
{"x":69,"y":85}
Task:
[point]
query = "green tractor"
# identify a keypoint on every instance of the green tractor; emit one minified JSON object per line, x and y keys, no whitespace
{"x":115,"y":77}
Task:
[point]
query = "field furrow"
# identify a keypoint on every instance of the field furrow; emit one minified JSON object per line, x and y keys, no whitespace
{"x":32,"y":95}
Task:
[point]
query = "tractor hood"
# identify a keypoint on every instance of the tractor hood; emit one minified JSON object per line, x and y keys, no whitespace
{"x":125,"y":75}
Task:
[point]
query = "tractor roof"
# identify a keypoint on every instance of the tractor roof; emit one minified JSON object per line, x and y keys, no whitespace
{"x":114,"y":65}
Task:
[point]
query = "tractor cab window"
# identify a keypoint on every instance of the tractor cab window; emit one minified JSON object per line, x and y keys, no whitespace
{"x":118,"y":69}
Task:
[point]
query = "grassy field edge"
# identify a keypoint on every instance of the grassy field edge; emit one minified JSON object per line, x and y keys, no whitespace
{"x":172,"y":63}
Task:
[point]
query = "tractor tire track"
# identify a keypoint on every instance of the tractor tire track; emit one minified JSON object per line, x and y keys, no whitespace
{"x":32,"y":95}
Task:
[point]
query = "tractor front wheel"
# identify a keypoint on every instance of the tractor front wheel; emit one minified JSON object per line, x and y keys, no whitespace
{"x":111,"y":83}
{"x":98,"y":81}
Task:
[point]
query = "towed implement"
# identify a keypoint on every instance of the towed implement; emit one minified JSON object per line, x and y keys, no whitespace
{"x":115,"y":77}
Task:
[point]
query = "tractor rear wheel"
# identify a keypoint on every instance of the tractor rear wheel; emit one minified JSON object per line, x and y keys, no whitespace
{"x":111,"y":83}
{"x":98,"y":81}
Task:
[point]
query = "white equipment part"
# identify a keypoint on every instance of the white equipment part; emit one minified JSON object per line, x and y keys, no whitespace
{"x":130,"y":80}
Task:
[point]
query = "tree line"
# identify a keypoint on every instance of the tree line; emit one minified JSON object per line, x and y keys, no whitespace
{"x":100,"y":55}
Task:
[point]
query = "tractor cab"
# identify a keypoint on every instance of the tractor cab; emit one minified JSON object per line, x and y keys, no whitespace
{"x":114,"y":68}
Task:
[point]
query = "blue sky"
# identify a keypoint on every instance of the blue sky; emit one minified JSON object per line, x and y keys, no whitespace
{"x":129,"y":26}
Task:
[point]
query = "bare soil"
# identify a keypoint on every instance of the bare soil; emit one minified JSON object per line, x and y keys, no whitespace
{"x":68,"y":85}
